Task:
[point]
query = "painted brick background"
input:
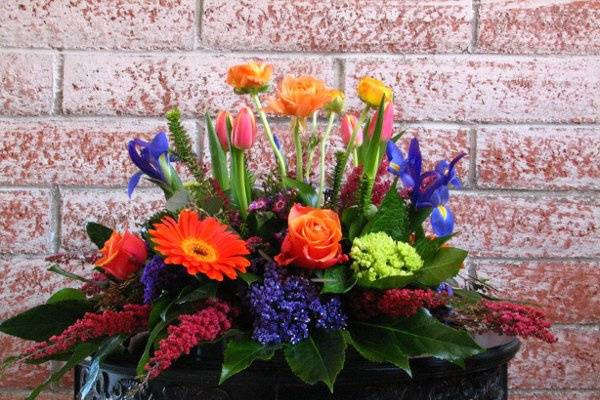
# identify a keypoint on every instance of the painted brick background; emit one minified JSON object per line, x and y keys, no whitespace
{"x":514,"y":83}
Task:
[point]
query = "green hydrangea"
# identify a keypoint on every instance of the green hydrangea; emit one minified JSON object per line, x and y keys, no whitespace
{"x":376,"y":255}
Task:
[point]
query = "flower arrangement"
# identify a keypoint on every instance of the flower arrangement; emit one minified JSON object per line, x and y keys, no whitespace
{"x":304,"y":263}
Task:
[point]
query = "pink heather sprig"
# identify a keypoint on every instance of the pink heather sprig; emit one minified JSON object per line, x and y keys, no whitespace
{"x":205,"y":325}
{"x":395,"y":303}
{"x":133,"y":319}
{"x":517,"y":320}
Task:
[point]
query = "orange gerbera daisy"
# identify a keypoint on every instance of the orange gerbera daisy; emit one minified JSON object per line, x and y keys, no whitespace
{"x":201,"y":246}
{"x":300,"y":97}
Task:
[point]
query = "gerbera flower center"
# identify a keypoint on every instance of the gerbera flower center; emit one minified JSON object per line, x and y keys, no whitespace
{"x":199,"y":249}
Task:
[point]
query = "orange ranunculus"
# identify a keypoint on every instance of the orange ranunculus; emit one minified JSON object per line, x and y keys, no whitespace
{"x":313,"y":239}
{"x":250,"y":77}
{"x":300,"y":97}
{"x":122,"y":255}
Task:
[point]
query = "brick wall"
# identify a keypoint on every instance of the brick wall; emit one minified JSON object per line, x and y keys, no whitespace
{"x":515,"y":83}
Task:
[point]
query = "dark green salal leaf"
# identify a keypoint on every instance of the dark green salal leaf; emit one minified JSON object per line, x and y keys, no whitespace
{"x":43,"y":321}
{"x":337,"y":279}
{"x":80,"y":353}
{"x":427,"y":248}
{"x":158,"y":307}
{"x":217,"y":156}
{"x":241,"y":353}
{"x":377,"y":346}
{"x":422,"y":335}
{"x":65,"y":295}
{"x":319,"y":358}
{"x":264,"y":223}
{"x":354,"y":222}
{"x":417,"y":218}
{"x":154,"y":335}
{"x":391,"y":218}
{"x":446,"y":264}
{"x":248,"y":277}
{"x":389,"y":282}
{"x":189,"y":295}
{"x":98,"y":233}
{"x":306,"y":192}
{"x":106,"y":348}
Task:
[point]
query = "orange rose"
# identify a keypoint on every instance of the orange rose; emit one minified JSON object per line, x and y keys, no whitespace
{"x":313,"y":239}
{"x":122,"y":255}
{"x":300,"y":97}
{"x":250,"y":77}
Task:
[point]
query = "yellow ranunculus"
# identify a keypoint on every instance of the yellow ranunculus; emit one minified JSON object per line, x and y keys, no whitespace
{"x":371,"y":91}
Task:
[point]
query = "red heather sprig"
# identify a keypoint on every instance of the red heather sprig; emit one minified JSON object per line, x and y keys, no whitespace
{"x":133,"y":319}
{"x":351,"y":188}
{"x":517,"y":320}
{"x":395,"y":303}
{"x":205,"y":325}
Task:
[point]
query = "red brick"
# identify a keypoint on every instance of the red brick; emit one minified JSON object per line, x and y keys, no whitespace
{"x":493,"y":225}
{"x":375,"y":26}
{"x":21,"y":375}
{"x":24,"y":221}
{"x":109,"y":24}
{"x":538,"y":157}
{"x":512,"y":26}
{"x":115,"y":84}
{"x":567,"y":291}
{"x":26,"y":83}
{"x":90,"y":152}
{"x":559,"y":395}
{"x":486,"y":88}
{"x":46,"y":395}
{"x":108,"y":207}
{"x":571,"y":363}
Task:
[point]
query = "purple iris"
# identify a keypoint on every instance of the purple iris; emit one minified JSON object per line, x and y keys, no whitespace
{"x":153,"y":160}
{"x":398,"y":165}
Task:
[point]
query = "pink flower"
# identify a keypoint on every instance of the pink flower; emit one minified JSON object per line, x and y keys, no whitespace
{"x":221,"y":128}
{"x":244,"y":129}
{"x":388,"y":123}
{"x":349,"y":121}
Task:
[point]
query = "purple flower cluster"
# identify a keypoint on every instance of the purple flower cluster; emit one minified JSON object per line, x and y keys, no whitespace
{"x":279,"y":204}
{"x":158,"y":276}
{"x":286,"y":306}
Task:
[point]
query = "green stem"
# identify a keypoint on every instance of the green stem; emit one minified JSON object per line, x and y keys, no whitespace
{"x":312,"y":149}
{"x":238,"y":159}
{"x":269,"y":135}
{"x":324,"y":140}
{"x":355,"y":157}
{"x":298,"y":146}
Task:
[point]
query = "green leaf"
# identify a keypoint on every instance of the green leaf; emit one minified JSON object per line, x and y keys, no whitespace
{"x":98,"y":233}
{"x":106,"y":348}
{"x":248,"y":277}
{"x":422,"y":335}
{"x":43,"y":321}
{"x":378,"y":346}
{"x":337,"y":279}
{"x":80,"y":353}
{"x":428,"y":248}
{"x":58,"y":270}
{"x":180,"y":199}
{"x":389,"y":282}
{"x":154,"y":333}
{"x":157,"y":309}
{"x":416,"y":218}
{"x":319,"y":358}
{"x":354,"y":221}
{"x":446,"y":264}
{"x":188,"y":295}
{"x":391,"y":218}
{"x":306,"y":192}
{"x":218,"y":157}
{"x":240,"y":354}
{"x":66,"y":294}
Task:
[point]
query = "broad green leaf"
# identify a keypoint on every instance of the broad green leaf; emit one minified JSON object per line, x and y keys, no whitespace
{"x":427,"y":248}
{"x":108,"y":346}
{"x":240,"y":354}
{"x":354,"y":221}
{"x":66,"y":294}
{"x":378,"y":346}
{"x":188,"y":295}
{"x":248,"y":277}
{"x":319,"y":358}
{"x":98,"y":233}
{"x":423,"y":335}
{"x":217,"y":156}
{"x":389,"y":282}
{"x":337,"y":279}
{"x":306,"y":192}
{"x":180,"y":199}
{"x":446,"y":264}
{"x":158,"y":307}
{"x":154,"y":334}
{"x":391,"y":218}
{"x":417,"y":218}
{"x":43,"y":321}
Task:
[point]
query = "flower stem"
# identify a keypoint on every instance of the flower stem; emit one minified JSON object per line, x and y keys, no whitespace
{"x":298,"y":146}
{"x":324,"y":141}
{"x":269,"y":135}
{"x":240,"y":172}
{"x":312,"y":149}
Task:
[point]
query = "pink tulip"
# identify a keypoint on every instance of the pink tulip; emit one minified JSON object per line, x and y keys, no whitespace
{"x":221,"y":128}
{"x":388,"y":123}
{"x":347,"y":125}
{"x":244,"y":129}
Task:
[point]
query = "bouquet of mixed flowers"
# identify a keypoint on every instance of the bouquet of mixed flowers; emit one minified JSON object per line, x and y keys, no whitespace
{"x":305,"y":261}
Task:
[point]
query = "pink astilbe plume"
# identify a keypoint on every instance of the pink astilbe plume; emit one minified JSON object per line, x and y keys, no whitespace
{"x":517,"y":320}
{"x":133,"y":319}
{"x":205,"y":325}
{"x":395,"y":303}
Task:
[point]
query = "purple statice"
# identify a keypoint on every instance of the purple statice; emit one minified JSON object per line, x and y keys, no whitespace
{"x":157,"y":276}
{"x":286,"y":306}
{"x":260,"y":204}
{"x":446,"y":289}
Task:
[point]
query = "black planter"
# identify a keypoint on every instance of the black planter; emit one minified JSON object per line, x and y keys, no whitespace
{"x":484,"y":378}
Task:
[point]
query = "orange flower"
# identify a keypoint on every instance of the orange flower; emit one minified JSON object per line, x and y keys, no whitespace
{"x":313,"y":239}
{"x":300,"y":97}
{"x":201,"y":246}
{"x":250,"y":77}
{"x":122,"y":255}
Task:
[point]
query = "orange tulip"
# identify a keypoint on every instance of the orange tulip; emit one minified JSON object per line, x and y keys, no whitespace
{"x":221,"y":128}
{"x":250,"y":77}
{"x":313,"y":239}
{"x":300,"y":97}
{"x":122,"y":255}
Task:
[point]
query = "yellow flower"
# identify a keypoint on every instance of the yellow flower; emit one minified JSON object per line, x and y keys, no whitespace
{"x":250,"y":77}
{"x":372,"y":91}
{"x":336,"y":104}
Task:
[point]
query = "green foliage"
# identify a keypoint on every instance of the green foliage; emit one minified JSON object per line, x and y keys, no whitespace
{"x":417,"y":217}
{"x":58,"y":270}
{"x":178,"y":201}
{"x":337,"y":279}
{"x":307,"y":194}
{"x":341,"y":158}
{"x":319,"y":358}
{"x":106,"y":348}
{"x":218,"y":157}
{"x":446,"y":264}
{"x":389,"y":282}
{"x":377,"y":345}
{"x":248,"y":277}
{"x":354,"y":222}
{"x":391,"y":218}
{"x":65,"y":295}
{"x":240,"y":353}
{"x":98,"y":233}
{"x":428,"y":248}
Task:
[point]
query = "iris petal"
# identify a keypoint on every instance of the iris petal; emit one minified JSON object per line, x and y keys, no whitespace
{"x":133,"y":182}
{"x":442,"y":221}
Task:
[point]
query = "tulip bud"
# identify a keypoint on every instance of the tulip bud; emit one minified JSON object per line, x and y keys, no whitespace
{"x":221,"y":128}
{"x":372,"y":91}
{"x":244,"y":129}
{"x":347,"y":125}
{"x":388,"y":123}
